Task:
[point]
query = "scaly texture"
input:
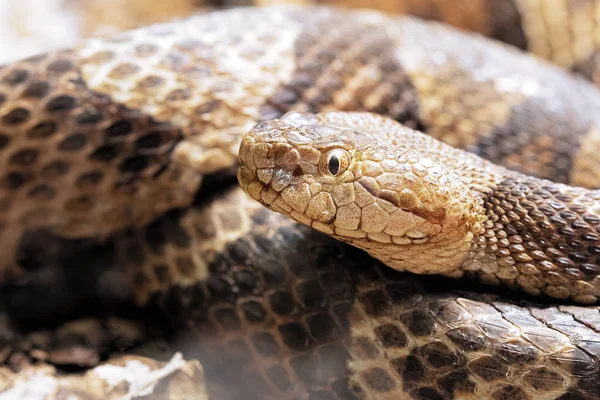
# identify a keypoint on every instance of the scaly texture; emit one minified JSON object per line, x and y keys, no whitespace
{"x":422,"y":206}
{"x":204,"y":81}
{"x":562,"y":31}
{"x":112,"y":134}
{"x":288,"y":312}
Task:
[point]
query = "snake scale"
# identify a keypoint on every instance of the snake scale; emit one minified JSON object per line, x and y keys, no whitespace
{"x":104,"y":148}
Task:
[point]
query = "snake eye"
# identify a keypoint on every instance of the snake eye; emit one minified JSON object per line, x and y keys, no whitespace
{"x":336,"y":162}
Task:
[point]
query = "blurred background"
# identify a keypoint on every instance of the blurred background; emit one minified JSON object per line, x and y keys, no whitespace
{"x":28,"y":27}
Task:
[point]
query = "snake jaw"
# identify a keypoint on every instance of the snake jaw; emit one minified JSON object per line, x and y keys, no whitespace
{"x":399,"y":203}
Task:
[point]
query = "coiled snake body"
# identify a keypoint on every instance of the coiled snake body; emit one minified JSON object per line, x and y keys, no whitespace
{"x":100,"y":142}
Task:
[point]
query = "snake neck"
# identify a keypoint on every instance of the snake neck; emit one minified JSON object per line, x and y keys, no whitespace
{"x":417,"y":211}
{"x":502,"y":226}
{"x":539,"y":236}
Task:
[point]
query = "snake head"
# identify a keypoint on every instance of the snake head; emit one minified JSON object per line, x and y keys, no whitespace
{"x":366,"y":180}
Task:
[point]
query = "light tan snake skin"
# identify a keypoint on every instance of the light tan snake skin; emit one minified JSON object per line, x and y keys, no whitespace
{"x":98,"y":143}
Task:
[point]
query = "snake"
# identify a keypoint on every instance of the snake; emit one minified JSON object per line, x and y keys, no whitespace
{"x":422,"y":206}
{"x":105,"y":146}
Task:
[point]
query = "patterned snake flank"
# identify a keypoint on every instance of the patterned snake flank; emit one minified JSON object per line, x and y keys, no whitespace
{"x":103,"y":148}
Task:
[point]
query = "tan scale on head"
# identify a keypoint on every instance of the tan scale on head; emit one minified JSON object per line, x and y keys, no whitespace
{"x":364,"y":179}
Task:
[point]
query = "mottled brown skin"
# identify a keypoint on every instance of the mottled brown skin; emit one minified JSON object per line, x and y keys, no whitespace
{"x":421,"y":206}
{"x":204,"y":82}
{"x":70,"y":155}
{"x":116,"y":132}
{"x":561,"y":31}
{"x":289,"y":312}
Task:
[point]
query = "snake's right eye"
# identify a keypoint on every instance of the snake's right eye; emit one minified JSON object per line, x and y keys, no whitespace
{"x":335,"y":162}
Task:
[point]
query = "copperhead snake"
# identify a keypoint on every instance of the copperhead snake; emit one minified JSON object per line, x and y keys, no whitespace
{"x":109,"y":143}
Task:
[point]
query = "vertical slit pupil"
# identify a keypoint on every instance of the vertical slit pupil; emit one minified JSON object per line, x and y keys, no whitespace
{"x":333,"y":165}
